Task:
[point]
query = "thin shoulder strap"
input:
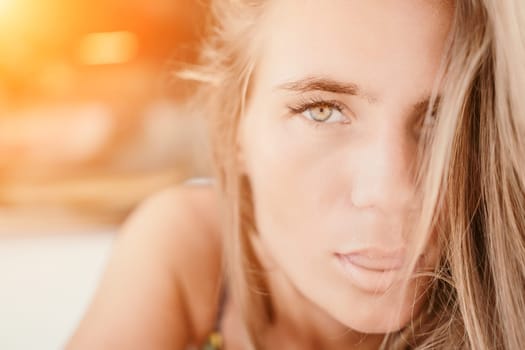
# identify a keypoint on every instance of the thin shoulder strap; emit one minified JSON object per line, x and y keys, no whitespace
{"x":222,"y":305}
{"x":215,"y":339}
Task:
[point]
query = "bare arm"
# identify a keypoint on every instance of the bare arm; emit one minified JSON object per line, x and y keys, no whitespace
{"x":160,"y":287}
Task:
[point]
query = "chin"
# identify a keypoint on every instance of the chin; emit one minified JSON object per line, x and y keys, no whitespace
{"x":372,"y":317}
{"x":380,"y":327}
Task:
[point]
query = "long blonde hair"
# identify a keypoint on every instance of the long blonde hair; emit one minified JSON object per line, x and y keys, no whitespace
{"x":472,"y":175}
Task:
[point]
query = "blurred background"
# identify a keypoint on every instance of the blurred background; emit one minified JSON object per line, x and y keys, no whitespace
{"x":91,"y":123}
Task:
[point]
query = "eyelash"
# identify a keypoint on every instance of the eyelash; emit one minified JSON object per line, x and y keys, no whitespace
{"x":314,"y":102}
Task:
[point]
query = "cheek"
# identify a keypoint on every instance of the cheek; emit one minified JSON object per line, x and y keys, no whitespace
{"x":285,"y":166}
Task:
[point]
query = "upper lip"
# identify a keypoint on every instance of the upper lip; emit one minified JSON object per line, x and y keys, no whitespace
{"x":375,"y":259}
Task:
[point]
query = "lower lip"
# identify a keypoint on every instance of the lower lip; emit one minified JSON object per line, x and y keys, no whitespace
{"x":368,"y":280}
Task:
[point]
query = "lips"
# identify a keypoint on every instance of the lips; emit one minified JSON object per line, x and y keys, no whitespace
{"x":372,"y":271}
{"x":375,"y":261}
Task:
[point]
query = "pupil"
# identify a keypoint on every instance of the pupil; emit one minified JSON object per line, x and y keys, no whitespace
{"x":322,"y":112}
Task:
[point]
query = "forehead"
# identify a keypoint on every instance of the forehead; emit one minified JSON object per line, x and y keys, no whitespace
{"x":380,"y":45}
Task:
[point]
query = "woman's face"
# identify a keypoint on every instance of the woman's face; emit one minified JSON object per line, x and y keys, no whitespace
{"x":329,"y":143}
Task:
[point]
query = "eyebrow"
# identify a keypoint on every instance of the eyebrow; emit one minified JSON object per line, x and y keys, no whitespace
{"x":328,"y":85}
{"x":348,"y":88}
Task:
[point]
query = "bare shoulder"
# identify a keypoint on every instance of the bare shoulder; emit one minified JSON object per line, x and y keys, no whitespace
{"x":182,"y":223}
{"x":183,"y":226}
{"x":161,"y":286}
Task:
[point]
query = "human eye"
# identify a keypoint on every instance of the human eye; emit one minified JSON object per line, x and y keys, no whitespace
{"x":428,"y":121}
{"x":320,"y":111}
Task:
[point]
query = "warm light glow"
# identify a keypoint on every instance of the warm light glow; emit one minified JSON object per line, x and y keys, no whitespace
{"x":5,"y":4}
{"x":107,"y":48}
{"x":6,"y":10}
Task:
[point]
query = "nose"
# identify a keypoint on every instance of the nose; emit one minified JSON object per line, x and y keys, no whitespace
{"x":383,"y":171}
